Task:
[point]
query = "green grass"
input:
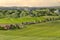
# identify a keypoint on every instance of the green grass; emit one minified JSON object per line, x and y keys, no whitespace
{"x":42,"y":31}
{"x":24,"y":19}
{"x":20,"y":20}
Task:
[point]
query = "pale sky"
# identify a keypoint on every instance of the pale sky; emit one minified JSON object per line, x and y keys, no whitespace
{"x":30,"y":3}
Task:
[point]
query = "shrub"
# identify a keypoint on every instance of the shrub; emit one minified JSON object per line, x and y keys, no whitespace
{"x":1,"y":28}
{"x":12,"y":26}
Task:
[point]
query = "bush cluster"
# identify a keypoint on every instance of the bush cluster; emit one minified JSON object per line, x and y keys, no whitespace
{"x":11,"y":26}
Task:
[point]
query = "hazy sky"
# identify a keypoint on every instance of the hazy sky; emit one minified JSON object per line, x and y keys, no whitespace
{"x":30,"y":3}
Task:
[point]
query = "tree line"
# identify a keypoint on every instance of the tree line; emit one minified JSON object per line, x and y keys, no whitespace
{"x":30,"y":13}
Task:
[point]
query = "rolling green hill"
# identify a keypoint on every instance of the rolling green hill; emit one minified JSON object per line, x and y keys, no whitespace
{"x":30,"y":24}
{"x":42,"y":31}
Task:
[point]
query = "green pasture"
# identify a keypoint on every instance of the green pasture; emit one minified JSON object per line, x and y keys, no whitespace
{"x":20,"y":20}
{"x":25,"y":19}
{"x":41,"y":31}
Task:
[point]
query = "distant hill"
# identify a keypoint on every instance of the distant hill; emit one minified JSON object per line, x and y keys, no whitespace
{"x":23,"y":8}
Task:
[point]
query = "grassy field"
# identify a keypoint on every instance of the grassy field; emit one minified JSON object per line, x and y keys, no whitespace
{"x":20,"y":20}
{"x":25,"y":19}
{"x":42,"y":31}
